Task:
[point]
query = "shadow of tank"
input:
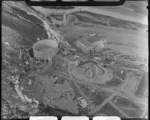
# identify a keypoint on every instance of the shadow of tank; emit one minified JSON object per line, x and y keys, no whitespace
{"x":45,"y":49}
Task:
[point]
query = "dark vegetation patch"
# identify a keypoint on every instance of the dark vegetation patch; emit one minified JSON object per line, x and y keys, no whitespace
{"x":48,"y":111}
{"x":114,"y":82}
{"x":12,"y":113}
{"x":29,"y":31}
{"x":27,"y":16}
{"x":99,"y":96}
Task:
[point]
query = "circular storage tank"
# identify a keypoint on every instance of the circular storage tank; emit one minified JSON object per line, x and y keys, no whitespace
{"x":45,"y":49}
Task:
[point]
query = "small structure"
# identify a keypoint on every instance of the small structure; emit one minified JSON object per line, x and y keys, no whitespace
{"x":98,"y":45}
{"x":93,"y":34}
{"x":45,"y":49}
{"x":84,"y":45}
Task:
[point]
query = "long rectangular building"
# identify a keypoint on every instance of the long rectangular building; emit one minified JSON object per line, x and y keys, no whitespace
{"x":86,"y":46}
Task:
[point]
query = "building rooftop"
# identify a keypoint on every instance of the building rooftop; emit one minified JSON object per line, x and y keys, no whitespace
{"x":84,"y":42}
